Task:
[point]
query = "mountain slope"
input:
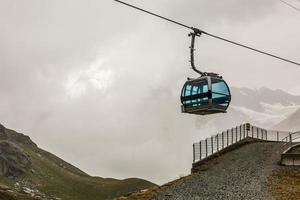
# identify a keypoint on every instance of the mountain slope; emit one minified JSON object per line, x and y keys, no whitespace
{"x":292,"y":123}
{"x":27,"y":169}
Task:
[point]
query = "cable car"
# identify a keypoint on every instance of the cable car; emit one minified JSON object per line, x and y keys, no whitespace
{"x":208,"y":94}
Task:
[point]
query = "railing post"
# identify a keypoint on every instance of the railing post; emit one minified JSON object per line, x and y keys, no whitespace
{"x":244,"y":130}
{"x":206,"y":147}
{"x":212,"y":145}
{"x":218,"y":142}
{"x":290,"y":137}
{"x":236,"y":135}
{"x":193,"y":153}
{"x":257,"y":133}
{"x":266,"y":134}
{"x":277,"y":136}
{"x":200,"y":150}
{"x":248,"y":130}
{"x":222,"y":140}
{"x":227,"y":138}
{"x":231,"y":135}
{"x":252,"y":131}
{"x":240,"y":132}
{"x":262,"y":134}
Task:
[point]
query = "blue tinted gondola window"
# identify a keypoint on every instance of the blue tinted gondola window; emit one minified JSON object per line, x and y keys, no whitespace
{"x":220,"y":92}
{"x":192,"y":90}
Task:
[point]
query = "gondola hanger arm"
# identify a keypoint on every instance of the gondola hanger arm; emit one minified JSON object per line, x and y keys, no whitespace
{"x":193,"y":35}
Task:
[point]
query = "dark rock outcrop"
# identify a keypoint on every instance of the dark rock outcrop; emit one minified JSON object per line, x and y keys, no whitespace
{"x":13,"y":160}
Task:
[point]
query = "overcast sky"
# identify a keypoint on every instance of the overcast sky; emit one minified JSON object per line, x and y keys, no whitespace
{"x":98,"y":83}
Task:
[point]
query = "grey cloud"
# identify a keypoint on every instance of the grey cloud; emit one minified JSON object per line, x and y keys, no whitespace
{"x":132,"y":127}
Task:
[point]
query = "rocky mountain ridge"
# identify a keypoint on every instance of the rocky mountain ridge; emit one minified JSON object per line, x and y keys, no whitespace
{"x":30,"y":173}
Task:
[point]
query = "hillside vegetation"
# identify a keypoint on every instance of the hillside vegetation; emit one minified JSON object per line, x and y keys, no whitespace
{"x":285,"y":184}
{"x":29,"y":173}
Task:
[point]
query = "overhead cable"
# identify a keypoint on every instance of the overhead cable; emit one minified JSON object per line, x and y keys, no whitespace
{"x":199,"y":32}
{"x":290,"y":5}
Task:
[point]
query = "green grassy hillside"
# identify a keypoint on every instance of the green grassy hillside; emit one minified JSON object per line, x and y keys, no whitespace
{"x":30,"y":171}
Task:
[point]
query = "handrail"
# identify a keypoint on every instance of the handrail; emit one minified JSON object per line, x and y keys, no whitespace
{"x":290,"y":139}
{"x":215,"y":143}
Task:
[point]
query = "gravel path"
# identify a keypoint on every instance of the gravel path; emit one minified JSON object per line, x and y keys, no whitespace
{"x":240,"y":174}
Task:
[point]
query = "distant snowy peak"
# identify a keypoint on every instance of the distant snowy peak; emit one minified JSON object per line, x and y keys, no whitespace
{"x":262,"y":107}
{"x":259,"y":99}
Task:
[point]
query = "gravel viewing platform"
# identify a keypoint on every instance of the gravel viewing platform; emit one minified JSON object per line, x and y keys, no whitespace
{"x":242,"y":173}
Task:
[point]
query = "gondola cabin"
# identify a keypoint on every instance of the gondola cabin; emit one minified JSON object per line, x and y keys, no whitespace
{"x":208,"y":94}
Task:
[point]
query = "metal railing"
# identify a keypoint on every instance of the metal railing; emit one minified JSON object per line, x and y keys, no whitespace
{"x":291,"y":139}
{"x":220,"y":141}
